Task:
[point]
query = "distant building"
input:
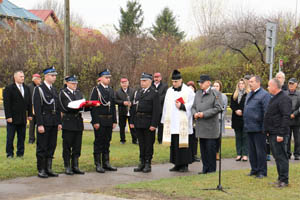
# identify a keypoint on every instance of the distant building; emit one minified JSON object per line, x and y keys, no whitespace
{"x":12,"y":16}
{"x":48,"y":17}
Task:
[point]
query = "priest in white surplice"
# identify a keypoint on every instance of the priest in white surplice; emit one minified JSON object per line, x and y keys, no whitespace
{"x":178,"y":123}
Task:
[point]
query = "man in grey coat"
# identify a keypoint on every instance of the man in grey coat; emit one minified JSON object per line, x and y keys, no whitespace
{"x":207,"y":105}
{"x":295,"y":118}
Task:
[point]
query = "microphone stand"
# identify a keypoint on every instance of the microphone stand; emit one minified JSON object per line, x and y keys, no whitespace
{"x":219,"y":186}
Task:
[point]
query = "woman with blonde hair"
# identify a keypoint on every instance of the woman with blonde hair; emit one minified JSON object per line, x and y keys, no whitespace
{"x":237,"y":106}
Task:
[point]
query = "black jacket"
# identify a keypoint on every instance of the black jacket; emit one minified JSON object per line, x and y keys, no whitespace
{"x":103,"y":115}
{"x":295,"y":97}
{"x":237,"y":122}
{"x":15,"y":105}
{"x":277,"y":116}
{"x":46,"y":114}
{"x":121,"y":96}
{"x":146,"y":109}
{"x":31,"y":87}
{"x":72,"y":119}
{"x":162,"y":90}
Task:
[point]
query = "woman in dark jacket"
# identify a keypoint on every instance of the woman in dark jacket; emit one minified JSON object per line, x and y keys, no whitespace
{"x":237,"y":106}
{"x":194,"y":139}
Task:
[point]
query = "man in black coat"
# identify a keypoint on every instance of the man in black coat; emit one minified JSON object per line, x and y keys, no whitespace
{"x":276,"y":125}
{"x":72,"y":125}
{"x":124,"y":97}
{"x":48,"y":120}
{"x":295,"y":118}
{"x":162,"y":90}
{"x":145,"y":118}
{"x":17,"y":106}
{"x":36,"y":81}
{"x":104,"y":121}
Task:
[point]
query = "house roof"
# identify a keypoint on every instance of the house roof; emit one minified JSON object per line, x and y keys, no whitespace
{"x":88,"y":32}
{"x":44,"y":14}
{"x":11,"y":10}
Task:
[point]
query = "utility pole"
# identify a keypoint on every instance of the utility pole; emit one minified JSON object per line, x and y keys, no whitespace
{"x":271,"y":30}
{"x":296,"y":14}
{"x":67,"y":38}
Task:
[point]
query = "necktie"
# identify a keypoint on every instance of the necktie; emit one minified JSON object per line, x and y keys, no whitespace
{"x":21,"y":89}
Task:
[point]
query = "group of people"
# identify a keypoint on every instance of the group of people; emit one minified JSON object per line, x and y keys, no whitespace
{"x":182,"y":115}
{"x":264,"y":123}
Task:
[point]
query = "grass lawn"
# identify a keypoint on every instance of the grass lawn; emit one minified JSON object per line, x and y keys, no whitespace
{"x":240,"y":186}
{"x":121,"y":155}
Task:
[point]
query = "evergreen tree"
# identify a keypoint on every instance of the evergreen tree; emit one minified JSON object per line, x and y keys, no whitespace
{"x":165,"y":26}
{"x":131,"y":19}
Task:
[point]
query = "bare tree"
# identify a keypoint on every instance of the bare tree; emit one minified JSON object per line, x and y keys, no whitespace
{"x":58,"y":8}
{"x":208,"y":14}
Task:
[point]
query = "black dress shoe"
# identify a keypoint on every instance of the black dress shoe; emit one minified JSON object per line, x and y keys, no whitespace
{"x":184,"y":169}
{"x":297,"y":158}
{"x":196,"y":159}
{"x":174,"y":169}
{"x":275,"y":183}
{"x":202,"y":172}
{"x":10,"y":157}
{"x":251,"y":174}
{"x":260,"y":176}
{"x":42,"y":174}
{"x":77,"y":171}
{"x":282,"y":184}
{"x":51,"y":173}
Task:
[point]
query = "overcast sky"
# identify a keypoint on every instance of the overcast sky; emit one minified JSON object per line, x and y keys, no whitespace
{"x":103,"y":14}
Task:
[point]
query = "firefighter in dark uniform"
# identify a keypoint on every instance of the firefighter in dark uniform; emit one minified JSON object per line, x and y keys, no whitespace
{"x":48,"y":120}
{"x":103,"y":120}
{"x":72,"y":125}
{"x":145,"y":114}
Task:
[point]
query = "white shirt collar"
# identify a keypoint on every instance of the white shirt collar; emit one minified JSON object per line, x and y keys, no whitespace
{"x":156,"y":84}
{"x":206,"y":91}
{"x":49,"y":86}
{"x":19,"y":85}
{"x":145,"y":89}
{"x":105,"y":86}
{"x":256,"y":90}
{"x":125,"y":90}
{"x":72,"y":91}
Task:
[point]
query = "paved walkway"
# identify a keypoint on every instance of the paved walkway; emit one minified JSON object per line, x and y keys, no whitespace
{"x":65,"y":186}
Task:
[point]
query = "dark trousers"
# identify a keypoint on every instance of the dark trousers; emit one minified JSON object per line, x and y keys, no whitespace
{"x":21,"y":133}
{"x":122,"y":125}
{"x":208,"y":154}
{"x":46,"y":142}
{"x":294,"y":131}
{"x":194,"y":143}
{"x":241,"y":142}
{"x":102,"y":139}
{"x":160,"y":130}
{"x":279,"y":151}
{"x":218,"y":142}
{"x":146,"y":140}
{"x":257,"y":153}
{"x":72,"y":141}
{"x":32,"y":129}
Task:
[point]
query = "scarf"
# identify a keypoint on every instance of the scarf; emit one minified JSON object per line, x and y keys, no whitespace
{"x":240,"y":95}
